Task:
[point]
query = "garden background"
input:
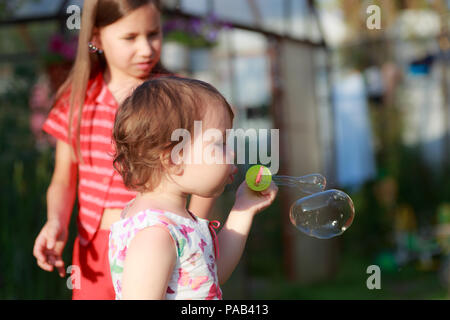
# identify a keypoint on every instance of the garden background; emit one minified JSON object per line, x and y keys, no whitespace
{"x":366,"y":107}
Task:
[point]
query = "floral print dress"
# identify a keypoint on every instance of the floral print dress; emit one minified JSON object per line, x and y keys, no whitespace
{"x":195,"y":272}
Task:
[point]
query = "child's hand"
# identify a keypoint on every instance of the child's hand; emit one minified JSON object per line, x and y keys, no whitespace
{"x":49,"y":246}
{"x":253,"y":201}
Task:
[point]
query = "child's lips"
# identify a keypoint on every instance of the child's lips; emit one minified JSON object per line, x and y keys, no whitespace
{"x":144,"y":65}
{"x":233,"y":172}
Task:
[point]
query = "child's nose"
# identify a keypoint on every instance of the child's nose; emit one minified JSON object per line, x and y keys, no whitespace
{"x":232,"y":154}
{"x":145,"y":48}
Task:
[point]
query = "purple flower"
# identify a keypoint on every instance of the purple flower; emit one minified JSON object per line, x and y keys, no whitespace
{"x":212,"y":35}
{"x":196,"y":26}
{"x":173,"y":25}
{"x":68,"y":51}
{"x":195,"y":29}
{"x":65,"y":48}
{"x":56,"y":42}
{"x":40,"y":96}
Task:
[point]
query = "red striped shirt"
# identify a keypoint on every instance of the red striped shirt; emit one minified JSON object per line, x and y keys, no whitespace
{"x":99,"y":185}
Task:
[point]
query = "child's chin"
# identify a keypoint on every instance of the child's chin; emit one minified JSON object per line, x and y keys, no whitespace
{"x":215,"y":193}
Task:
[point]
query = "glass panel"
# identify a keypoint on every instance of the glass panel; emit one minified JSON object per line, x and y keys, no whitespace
{"x":332,"y":20}
{"x":299,"y":19}
{"x":36,"y":8}
{"x":248,"y":42}
{"x":251,"y":69}
{"x":272,"y":14}
{"x":172,"y":4}
{"x":222,"y":78}
{"x":75,"y":2}
{"x":252,"y":82}
{"x":236,"y":11}
{"x":199,"y":7}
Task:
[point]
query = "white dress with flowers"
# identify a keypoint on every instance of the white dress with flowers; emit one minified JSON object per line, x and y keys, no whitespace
{"x":195,"y":272}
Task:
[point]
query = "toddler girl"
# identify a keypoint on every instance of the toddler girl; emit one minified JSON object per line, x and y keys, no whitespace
{"x":160,"y":250}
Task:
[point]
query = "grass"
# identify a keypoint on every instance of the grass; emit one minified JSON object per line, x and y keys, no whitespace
{"x":350,"y":283}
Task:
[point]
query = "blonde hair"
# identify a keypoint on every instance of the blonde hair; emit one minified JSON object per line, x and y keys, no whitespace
{"x":96,"y":13}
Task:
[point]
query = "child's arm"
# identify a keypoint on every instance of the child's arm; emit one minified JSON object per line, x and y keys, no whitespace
{"x":149,"y":264}
{"x":201,"y":207}
{"x":61,"y":193}
{"x":233,"y":235}
{"x":62,"y":190}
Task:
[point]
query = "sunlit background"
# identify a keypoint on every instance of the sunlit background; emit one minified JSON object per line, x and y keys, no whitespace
{"x":367,"y":108}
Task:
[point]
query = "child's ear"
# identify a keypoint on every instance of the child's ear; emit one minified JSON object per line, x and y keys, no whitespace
{"x":169,"y":165}
{"x":96,"y":38}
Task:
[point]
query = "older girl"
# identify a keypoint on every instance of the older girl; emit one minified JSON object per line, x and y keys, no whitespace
{"x":119,"y":47}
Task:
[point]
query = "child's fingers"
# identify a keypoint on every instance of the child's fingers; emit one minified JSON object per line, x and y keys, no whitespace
{"x":51,"y":240}
{"x":51,"y":259}
{"x":59,"y":264}
{"x":39,"y":248}
{"x":44,"y":265}
{"x":271,"y":191}
{"x":61,"y":272}
{"x":38,"y":252}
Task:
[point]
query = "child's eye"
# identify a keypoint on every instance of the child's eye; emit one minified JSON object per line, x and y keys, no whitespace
{"x":153,"y":34}
{"x":220,"y":144}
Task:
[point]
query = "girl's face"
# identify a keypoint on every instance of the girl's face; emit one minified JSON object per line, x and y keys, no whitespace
{"x":132,"y":44}
{"x":209,"y":178}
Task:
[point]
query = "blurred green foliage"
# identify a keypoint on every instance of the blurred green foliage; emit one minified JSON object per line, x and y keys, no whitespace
{"x":25,"y":174}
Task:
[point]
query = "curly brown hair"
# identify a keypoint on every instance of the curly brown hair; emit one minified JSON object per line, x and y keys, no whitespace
{"x":145,"y":122}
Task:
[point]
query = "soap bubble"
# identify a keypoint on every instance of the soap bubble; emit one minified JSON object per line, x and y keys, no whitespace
{"x":323,"y":215}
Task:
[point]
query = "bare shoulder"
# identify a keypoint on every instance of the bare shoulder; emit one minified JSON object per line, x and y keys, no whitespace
{"x":154,"y":238}
{"x":149,"y":264}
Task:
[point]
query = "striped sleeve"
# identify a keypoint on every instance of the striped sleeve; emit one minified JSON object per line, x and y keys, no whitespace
{"x":57,"y":120}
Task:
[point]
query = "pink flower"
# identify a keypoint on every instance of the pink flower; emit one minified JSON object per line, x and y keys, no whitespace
{"x":69,"y":50}
{"x":40,"y":97}
{"x":122,"y":254}
{"x":37,"y":120}
{"x":66,"y":48}
{"x":56,"y":42}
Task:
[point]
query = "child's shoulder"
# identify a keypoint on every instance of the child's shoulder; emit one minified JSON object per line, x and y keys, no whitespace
{"x":93,"y":87}
{"x":145,"y":218}
{"x":146,"y":223}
